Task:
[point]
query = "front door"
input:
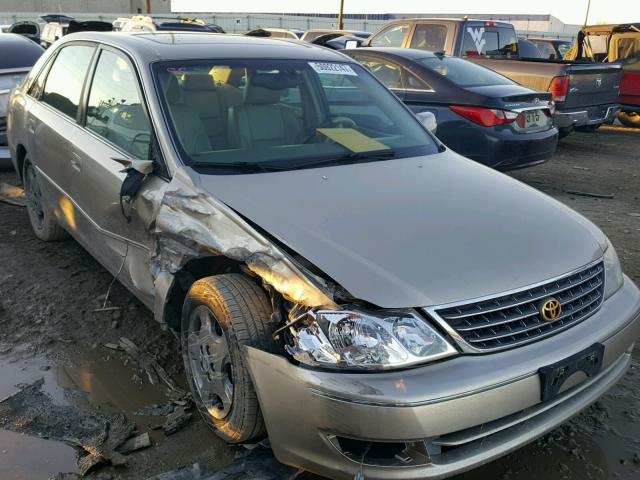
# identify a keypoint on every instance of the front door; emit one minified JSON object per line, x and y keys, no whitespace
{"x":117,"y":126}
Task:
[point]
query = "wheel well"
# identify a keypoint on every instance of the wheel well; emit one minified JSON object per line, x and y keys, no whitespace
{"x":194,"y":270}
{"x":21,"y":154}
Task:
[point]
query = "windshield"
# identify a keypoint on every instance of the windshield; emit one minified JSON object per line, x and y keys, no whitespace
{"x":284,"y":114}
{"x":463,"y":72}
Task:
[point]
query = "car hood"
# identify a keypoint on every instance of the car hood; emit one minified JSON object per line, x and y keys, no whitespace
{"x":418,"y":231}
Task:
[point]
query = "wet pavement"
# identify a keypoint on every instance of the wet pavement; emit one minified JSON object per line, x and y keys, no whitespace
{"x":58,"y":380}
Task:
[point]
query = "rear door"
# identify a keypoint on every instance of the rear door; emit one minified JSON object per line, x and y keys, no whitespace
{"x":52,"y":120}
{"x":117,"y":125}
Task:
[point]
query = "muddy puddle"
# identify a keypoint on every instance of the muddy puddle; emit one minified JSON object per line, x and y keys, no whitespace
{"x":92,"y":392}
{"x":24,"y":457}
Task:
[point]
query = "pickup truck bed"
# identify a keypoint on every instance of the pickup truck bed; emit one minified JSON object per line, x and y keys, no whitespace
{"x":586,"y":94}
{"x":591,"y":93}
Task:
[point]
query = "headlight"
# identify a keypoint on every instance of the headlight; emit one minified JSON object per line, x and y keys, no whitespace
{"x":613,"y":279}
{"x":367,"y":340}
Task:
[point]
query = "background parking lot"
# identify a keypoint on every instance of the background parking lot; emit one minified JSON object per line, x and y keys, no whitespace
{"x":53,"y":326}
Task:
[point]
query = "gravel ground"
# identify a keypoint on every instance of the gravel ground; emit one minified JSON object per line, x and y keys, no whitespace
{"x":63,"y":381}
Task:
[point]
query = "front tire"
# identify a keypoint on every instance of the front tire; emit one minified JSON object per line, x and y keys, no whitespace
{"x":221,"y":314}
{"x":44,"y":225}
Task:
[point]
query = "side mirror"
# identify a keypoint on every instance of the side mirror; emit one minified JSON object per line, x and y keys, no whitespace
{"x":351,"y":44}
{"x":137,"y":171}
{"x":428,"y":121}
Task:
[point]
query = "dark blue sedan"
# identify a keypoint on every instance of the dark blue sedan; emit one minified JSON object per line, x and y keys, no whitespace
{"x":480,"y":114}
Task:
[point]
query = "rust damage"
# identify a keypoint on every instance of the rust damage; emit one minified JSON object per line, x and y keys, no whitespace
{"x":191,"y":224}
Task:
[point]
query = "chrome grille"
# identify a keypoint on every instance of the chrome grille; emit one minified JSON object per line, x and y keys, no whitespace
{"x":514,"y":319}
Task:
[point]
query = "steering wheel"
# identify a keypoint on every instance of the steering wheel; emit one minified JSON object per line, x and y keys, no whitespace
{"x":343,"y":122}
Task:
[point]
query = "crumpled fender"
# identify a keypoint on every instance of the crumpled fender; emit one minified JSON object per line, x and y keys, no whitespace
{"x":191,"y":224}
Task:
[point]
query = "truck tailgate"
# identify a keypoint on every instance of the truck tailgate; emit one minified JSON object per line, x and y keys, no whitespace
{"x":589,"y":83}
{"x":595,"y":84}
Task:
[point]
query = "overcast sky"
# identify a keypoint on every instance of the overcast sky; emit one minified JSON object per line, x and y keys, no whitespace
{"x":569,"y":11}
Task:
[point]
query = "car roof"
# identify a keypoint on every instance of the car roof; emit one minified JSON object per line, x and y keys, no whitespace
{"x":18,"y":51}
{"x":449,"y":19}
{"x":408,"y":53}
{"x":151,"y":46}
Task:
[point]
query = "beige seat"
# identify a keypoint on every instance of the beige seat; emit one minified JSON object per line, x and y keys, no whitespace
{"x":189,"y":126}
{"x":261,"y":121}
{"x":211,"y":103}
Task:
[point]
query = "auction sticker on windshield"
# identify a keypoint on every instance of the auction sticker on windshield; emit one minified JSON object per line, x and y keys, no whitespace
{"x":332,"y":68}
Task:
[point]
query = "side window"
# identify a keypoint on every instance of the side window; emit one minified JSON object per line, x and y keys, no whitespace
{"x":115,"y":110}
{"x":63,"y":85}
{"x":388,"y":73}
{"x":430,"y":37}
{"x":392,"y":36}
{"x":415,"y":83}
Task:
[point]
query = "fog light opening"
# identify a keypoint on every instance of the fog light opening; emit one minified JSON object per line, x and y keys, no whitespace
{"x":382,"y":453}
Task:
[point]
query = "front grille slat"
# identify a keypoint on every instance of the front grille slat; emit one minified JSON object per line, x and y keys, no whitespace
{"x":514,"y":319}
{"x":498,"y":307}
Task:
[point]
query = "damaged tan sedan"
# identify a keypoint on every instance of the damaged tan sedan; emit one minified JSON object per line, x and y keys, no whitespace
{"x":341,"y":281}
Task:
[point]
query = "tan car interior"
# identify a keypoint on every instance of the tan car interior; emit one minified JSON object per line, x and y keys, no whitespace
{"x":230,"y":115}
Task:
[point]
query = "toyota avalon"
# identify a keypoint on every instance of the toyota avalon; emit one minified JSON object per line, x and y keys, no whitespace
{"x":342,"y":282}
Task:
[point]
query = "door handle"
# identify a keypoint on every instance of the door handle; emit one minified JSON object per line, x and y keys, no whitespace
{"x":76,"y":162}
{"x":31,"y":125}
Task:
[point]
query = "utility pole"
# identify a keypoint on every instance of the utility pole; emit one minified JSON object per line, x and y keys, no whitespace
{"x":586,"y":17}
{"x":148,"y":7}
{"x":340,"y":21}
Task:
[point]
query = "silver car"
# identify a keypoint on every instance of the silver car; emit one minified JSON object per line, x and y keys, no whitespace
{"x":340,"y":279}
{"x":18,"y":56}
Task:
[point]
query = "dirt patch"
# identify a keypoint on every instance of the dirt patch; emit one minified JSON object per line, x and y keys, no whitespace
{"x":50,"y":330}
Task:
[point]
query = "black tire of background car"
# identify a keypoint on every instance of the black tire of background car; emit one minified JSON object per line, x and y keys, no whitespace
{"x":243,"y":311}
{"x":49,"y":230}
{"x":630,"y":119}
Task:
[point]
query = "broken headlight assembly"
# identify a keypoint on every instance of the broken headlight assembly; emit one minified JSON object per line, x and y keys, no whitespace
{"x":354,"y":339}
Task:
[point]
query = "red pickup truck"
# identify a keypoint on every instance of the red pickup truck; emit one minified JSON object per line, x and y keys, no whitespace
{"x":585,"y":93}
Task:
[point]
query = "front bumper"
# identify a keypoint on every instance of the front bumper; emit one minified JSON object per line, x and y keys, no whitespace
{"x":465,"y":411}
{"x":586,"y":116}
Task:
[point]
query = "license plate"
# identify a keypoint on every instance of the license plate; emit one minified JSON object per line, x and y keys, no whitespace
{"x":535,"y":118}
{"x":553,"y":376}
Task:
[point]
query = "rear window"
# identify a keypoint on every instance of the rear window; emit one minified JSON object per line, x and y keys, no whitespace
{"x":463,"y":72}
{"x":563,"y":48}
{"x":489,"y":41}
{"x":546,"y":50}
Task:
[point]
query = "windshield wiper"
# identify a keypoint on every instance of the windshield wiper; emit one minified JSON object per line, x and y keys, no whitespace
{"x":245,"y":167}
{"x":248,"y":167}
{"x":385,"y":154}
